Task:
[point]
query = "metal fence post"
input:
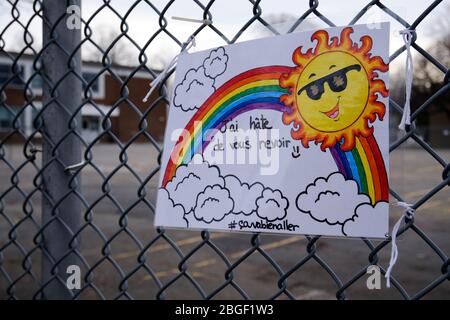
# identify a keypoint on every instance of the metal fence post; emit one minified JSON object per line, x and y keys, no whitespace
{"x":61,"y":210}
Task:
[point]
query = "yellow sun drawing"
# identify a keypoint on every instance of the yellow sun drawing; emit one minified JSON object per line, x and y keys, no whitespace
{"x":333,"y":91}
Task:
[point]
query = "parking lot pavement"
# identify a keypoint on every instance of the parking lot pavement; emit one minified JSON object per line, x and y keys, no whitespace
{"x":413,"y":174}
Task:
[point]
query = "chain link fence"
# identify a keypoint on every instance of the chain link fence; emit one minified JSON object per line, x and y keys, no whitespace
{"x":70,"y":198}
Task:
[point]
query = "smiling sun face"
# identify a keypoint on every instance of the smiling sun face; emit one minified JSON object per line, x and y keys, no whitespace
{"x":332,"y":91}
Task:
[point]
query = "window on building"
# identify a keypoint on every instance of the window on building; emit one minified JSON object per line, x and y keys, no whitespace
{"x":37,"y":81}
{"x":13,"y":75}
{"x":95,"y":86}
{"x":90,"y":123}
{"x":7,"y":116}
{"x":35,"y":121}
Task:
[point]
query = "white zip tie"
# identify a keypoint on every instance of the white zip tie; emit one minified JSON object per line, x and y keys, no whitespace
{"x":407,"y":35}
{"x":205,"y":21}
{"x":409,"y":213}
{"x":154,"y":84}
{"x":74,"y":167}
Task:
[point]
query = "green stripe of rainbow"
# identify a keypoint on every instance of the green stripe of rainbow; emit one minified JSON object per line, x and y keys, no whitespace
{"x":259,"y":89}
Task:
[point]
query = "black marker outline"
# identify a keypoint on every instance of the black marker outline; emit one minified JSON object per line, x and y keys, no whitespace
{"x":174,"y":205}
{"x":326,"y":219}
{"x":209,"y":58}
{"x":356,"y":215}
{"x":186,"y":165}
{"x":189,"y":86}
{"x":333,"y":193}
{"x":198,"y":69}
{"x":191,"y":174}
{"x":213,"y":220}
{"x":282,"y":196}
{"x":249,"y":186}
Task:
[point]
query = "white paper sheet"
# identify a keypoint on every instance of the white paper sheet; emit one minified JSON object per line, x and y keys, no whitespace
{"x":287,"y":134}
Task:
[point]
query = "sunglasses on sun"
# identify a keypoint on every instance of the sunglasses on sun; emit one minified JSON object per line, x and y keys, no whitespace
{"x":337,"y":81}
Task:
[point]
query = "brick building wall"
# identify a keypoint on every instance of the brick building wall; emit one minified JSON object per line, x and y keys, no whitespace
{"x":126,"y":121}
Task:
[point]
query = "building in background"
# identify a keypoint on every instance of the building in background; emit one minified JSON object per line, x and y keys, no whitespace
{"x":126,"y":115}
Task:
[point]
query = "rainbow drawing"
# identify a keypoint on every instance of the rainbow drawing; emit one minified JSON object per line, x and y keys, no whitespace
{"x":365,"y":165}
{"x":258,"y":89}
{"x":255,"y":89}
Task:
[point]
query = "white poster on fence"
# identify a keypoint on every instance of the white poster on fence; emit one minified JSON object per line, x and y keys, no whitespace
{"x":287,"y":134}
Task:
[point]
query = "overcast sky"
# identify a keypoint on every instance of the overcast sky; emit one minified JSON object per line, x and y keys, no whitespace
{"x":229,"y":16}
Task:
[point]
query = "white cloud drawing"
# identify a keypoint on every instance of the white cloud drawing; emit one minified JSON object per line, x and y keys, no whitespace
{"x":272,"y":205}
{"x":243,"y":194}
{"x":195,"y":88}
{"x":192,"y":179}
{"x":213,"y":204}
{"x":332,"y":200}
{"x":202,"y":193}
{"x":216,"y":63}
{"x":368,"y":221}
{"x":176,"y":211}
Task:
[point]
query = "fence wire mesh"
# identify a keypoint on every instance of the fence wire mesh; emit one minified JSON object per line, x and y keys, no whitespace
{"x":50,"y":171}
